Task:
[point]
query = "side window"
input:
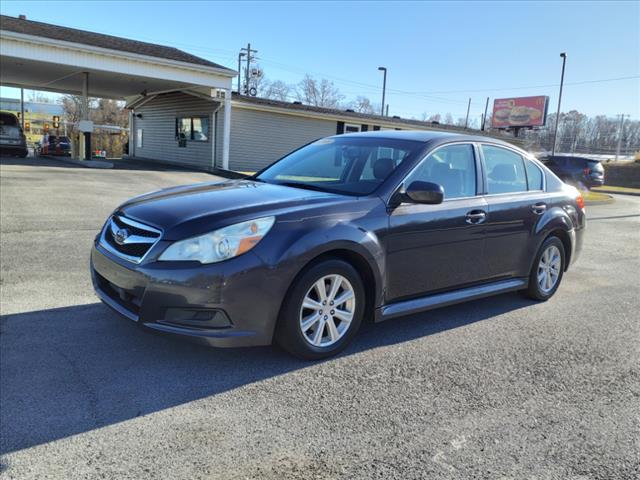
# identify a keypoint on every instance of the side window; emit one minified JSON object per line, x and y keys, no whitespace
{"x":534,"y":175}
{"x":453,"y":167}
{"x":505,"y":170}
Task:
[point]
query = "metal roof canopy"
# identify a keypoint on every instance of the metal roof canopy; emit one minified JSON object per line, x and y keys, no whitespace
{"x":33,"y":55}
{"x":41,"y":56}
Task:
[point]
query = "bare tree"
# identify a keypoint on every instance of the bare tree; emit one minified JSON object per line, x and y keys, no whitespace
{"x":276,"y":90}
{"x":434,"y":118}
{"x":448,"y":119}
{"x":362,"y":105}
{"x":39,"y":97}
{"x":102,"y":112}
{"x":321,"y":93}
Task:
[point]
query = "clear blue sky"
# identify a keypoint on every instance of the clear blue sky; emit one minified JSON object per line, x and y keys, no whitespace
{"x":438,"y":54}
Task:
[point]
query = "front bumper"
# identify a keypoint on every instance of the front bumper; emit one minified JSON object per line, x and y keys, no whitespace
{"x":228,"y":304}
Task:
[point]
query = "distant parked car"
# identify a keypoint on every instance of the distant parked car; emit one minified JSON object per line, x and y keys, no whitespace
{"x":63,"y":148}
{"x":12,"y":139}
{"x":577,"y":170}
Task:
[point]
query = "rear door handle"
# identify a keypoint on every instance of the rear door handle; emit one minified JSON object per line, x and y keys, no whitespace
{"x":539,"y":208}
{"x":476,"y":216}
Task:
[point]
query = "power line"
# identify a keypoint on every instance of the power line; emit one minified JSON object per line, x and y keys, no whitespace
{"x":536,"y":86}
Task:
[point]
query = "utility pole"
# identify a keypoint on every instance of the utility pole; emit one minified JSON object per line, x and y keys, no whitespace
{"x":466,"y":120}
{"x":484,"y":118}
{"x":563,"y":55}
{"x":384,"y":88}
{"x":249,"y":53}
{"x":620,"y":130}
{"x":387,"y":110}
{"x":240,"y":55}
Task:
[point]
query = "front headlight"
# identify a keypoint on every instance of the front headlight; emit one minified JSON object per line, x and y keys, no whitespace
{"x":228,"y":242}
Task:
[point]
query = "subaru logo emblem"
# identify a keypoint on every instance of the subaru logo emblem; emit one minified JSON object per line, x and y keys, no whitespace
{"x":121,"y":236}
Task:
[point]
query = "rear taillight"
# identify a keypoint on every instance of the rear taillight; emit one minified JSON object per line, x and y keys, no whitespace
{"x":580,"y":201}
{"x":586,"y":171}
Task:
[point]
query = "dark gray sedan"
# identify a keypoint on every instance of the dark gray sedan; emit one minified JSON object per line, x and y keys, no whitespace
{"x":367,"y":226}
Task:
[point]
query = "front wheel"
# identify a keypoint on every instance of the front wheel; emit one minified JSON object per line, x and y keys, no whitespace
{"x":547,"y":270}
{"x":322,"y":312}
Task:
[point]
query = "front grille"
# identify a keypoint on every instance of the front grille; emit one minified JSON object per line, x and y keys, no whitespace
{"x":129,"y":239}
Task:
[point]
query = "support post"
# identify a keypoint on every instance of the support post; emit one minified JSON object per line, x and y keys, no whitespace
{"x":226,"y":129}
{"x":484,"y":119}
{"x":22,"y":108}
{"x":130,"y":137}
{"x":466,"y":119}
{"x":620,"y":136}
{"x":86,"y":143}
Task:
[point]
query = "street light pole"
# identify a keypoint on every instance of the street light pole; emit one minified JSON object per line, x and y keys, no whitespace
{"x":563,"y":55}
{"x":384,"y":88}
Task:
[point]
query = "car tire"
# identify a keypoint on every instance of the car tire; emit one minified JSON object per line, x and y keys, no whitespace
{"x":335,"y":324}
{"x":543,"y":282}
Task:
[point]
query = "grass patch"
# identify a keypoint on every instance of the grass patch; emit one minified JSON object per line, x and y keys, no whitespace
{"x":615,"y":189}
{"x":595,"y":197}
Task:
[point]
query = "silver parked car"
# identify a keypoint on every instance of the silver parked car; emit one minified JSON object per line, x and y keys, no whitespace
{"x":12,"y":139}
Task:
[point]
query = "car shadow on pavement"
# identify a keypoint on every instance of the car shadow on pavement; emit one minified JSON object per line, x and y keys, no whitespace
{"x":70,"y":370}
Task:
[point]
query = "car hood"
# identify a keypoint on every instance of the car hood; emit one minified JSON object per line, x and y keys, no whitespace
{"x":185,"y":211}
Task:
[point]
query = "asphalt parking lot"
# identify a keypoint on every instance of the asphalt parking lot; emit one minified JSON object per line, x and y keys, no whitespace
{"x":497,"y":388}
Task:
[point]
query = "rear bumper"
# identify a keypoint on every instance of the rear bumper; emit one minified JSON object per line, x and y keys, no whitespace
{"x":594,"y":182}
{"x":229,"y":304}
{"x":20,"y":150}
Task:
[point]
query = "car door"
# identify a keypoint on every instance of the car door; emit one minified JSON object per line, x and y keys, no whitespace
{"x":515,"y":206}
{"x":433,"y":248}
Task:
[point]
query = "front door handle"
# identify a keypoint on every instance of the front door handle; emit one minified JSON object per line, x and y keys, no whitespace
{"x":476,"y":216}
{"x":539,"y":208}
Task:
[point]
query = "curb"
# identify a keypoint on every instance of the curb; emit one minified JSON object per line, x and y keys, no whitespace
{"x":80,"y":163}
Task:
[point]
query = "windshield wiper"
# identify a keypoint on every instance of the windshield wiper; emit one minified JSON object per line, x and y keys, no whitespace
{"x":307,"y":186}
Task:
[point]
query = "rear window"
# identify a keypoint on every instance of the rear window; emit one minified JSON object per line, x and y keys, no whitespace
{"x":595,"y":165}
{"x":8,"y":120}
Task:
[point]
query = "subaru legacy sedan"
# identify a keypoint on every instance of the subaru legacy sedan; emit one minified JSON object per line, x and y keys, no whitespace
{"x":350,"y":228}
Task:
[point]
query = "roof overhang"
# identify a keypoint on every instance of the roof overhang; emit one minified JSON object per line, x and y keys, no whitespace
{"x":42,"y":63}
{"x":202,"y":93}
{"x":346,"y":117}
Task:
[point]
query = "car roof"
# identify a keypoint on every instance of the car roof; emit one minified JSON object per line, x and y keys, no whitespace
{"x":428,"y":136}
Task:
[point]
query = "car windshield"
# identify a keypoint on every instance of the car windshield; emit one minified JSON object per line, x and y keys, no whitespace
{"x":347,"y":165}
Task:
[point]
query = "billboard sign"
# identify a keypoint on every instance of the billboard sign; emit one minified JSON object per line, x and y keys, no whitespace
{"x":519,"y":112}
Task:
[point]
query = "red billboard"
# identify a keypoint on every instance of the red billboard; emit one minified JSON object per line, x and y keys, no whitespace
{"x":519,"y":112}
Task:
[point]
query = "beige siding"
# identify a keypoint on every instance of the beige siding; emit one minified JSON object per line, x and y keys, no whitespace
{"x":260,"y":138}
{"x":158,"y":130}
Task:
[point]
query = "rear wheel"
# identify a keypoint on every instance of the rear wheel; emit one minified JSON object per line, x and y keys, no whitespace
{"x":322,"y":312}
{"x":547,"y":270}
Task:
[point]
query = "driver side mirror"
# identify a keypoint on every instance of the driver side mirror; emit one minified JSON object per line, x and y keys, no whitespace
{"x":425,"y":192}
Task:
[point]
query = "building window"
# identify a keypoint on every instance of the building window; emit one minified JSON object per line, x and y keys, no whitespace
{"x":348,"y":128}
{"x":192,"y":128}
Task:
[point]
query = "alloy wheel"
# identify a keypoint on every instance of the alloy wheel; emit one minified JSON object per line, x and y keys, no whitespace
{"x":327,"y":310}
{"x":549,"y":269}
